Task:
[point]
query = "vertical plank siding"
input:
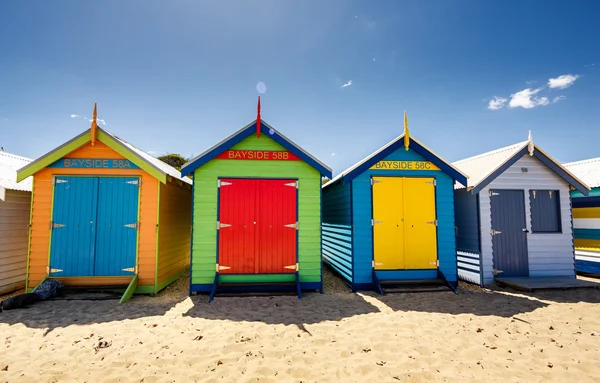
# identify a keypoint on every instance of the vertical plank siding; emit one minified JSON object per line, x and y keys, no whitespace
{"x":42,"y":209}
{"x":174,"y":230}
{"x":467,"y":235}
{"x":204,"y":246}
{"x":550,"y":254}
{"x":14,"y":230}
{"x":586,"y":223}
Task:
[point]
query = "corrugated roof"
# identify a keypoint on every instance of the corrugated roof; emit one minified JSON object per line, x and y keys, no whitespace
{"x":587,"y":170}
{"x":375,"y":153}
{"x":162,"y":166}
{"x":479,"y":167}
{"x":9,"y":164}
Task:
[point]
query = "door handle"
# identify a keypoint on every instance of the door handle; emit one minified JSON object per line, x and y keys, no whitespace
{"x":525,"y":231}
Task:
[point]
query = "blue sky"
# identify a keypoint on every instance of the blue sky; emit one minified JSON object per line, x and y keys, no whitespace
{"x":180,"y":76}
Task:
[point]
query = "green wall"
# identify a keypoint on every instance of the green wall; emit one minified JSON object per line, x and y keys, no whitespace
{"x":204,"y":248}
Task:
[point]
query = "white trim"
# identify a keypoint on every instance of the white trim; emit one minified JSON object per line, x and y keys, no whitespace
{"x":590,"y":253}
{"x":2,"y":194}
{"x":586,"y":223}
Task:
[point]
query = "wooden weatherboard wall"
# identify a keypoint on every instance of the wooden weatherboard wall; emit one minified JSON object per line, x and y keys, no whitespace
{"x":586,"y":224}
{"x":14,"y":229}
{"x":204,"y":240}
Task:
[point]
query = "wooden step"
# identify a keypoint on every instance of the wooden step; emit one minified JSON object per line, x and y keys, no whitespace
{"x":413,"y":282}
{"x":258,"y":284}
{"x":417,"y":289}
{"x":221,"y":294}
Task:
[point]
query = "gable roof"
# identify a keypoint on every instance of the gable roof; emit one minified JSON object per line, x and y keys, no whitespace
{"x":246,"y":132}
{"x":397,"y":143}
{"x":587,"y":170}
{"x":9,"y":164}
{"x":145,"y":161}
{"x":484,"y":168}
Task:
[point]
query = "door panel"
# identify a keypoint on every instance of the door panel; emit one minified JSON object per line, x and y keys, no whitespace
{"x":115,"y":242}
{"x":276,"y":242}
{"x":509,"y":245}
{"x":388,"y":227}
{"x":74,"y":206}
{"x":237,"y":206}
{"x":420,"y":244}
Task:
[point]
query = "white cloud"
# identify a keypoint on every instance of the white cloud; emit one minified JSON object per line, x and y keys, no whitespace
{"x":526,"y":99}
{"x":347,"y":84}
{"x":497,"y":103}
{"x":103,"y":122}
{"x":589,"y":65}
{"x":563,"y":81}
{"x":74,"y":115}
{"x":558,"y":98}
{"x":333,"y":154}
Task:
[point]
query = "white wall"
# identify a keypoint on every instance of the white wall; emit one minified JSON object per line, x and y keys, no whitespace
{"x":549,"y":254}
{"x":14,"y":233}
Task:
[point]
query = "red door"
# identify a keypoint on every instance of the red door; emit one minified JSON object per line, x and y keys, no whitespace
{"x":257,"y":232}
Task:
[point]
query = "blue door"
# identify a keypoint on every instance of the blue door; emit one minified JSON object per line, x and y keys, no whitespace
{"x":94,"y":226}
{"x":509,"y":233}
{"x":73,"y":226}
{"x":116,"y":236}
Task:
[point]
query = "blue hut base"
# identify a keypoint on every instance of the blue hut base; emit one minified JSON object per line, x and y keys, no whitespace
{"x":207,"y":288}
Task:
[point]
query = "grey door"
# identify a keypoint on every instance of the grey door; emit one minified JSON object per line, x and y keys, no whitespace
{"x":509,"y":233}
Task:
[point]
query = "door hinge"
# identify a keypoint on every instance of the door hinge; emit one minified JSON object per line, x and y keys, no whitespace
{"x":133,"y":269}
{"x":434,"y":222}
{"x":50,"y":270}
{"x":495,"y":232}
{"x":221,"y":225}
{"x":432,"y":183}
{"x":137,"y":182}
{"x":373,"y":264}
{"x":436,"y":263}
{"x":496,"y":271}
{"x":374,"y":222}
{"x":219,"y":268}
{"x":293,"y":225}
{"x":54,"y":225}
{"x":374,"y":181}
{"x":133,"y":225}
{"x":295,"y":267}
{"x":222,"y":183}
{"x":58,"y":181}
{"x":492,"y":193}
{"x":293,"y":184}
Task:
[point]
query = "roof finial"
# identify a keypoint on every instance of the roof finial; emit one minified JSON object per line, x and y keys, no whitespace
{"x":94,"y":127}
{"x":406,"y":133}
{"x":258,"y":119}
{"x":530,"y":145}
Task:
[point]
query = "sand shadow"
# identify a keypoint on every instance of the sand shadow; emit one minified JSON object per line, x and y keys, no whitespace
{"x":573,"y":295}
{"x":53,"y":314}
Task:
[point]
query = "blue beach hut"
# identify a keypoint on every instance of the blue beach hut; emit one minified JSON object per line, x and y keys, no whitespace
{"x":388,"y":221}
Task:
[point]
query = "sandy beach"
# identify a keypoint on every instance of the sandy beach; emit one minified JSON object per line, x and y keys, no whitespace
{"x":475,"y":336}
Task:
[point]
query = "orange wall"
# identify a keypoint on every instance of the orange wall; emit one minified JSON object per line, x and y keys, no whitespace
{"x":42,"y":205}
{"x":174,"y":229}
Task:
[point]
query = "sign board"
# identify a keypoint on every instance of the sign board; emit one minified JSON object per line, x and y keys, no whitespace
{"x":404,"y":165}
{"x":258,"y":155}
{"x":90,"y":163}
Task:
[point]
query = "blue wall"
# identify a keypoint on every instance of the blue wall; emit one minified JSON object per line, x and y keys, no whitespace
{"x":467,"y":221}
{"x":363,"y":233}
{"x":337,"y":229}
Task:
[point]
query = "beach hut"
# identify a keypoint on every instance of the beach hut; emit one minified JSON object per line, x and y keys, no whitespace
{"x":586,"y":216}
{"x":107,"y":214}
{"x":388,"y":220}
{"x":15,"y":202}
{"x":257,"y":214}
{"x":513,"y":217}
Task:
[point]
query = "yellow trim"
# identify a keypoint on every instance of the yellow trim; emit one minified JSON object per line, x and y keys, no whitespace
{"x":29,"y":236}
{"x":157,"y":240}
{"x":586,"y":212}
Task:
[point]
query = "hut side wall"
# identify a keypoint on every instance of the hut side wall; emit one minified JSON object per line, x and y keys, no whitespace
{"x":549,"y":254}
{"x":14,"y":231}
{"x":174,"y":226}
{"x":41,"y":216}
{"x":337,"y":229}
{"x":363,"y":231}
{"x":204,"y":247}
{"x":467,"y":236}
{"x":586,"y":223}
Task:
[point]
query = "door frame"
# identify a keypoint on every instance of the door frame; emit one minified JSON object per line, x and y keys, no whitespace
{"x":525,"y":201}
{"x":137,"y":239}
{"x":435,"y":195}
{"x":219,"y":178}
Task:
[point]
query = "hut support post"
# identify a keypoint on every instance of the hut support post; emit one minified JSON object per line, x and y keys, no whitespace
{"x":214,"y":288}
{"x":377,"y":284}
{"x":298,"y":288}
{"x":130,"y":290}
{"x":451,"y":285}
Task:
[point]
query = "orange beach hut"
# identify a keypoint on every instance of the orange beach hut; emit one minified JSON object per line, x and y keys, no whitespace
{"x":107,"y":214}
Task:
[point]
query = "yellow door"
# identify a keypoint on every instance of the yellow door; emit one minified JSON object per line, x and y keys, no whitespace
{"x":420,"y":246}
{"x":388,"y":225}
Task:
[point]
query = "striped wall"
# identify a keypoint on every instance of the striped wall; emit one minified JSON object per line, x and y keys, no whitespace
{"x":337,"y":229}
{"x":14,"y":230}
{"x":467,"y":236}
{"x":363,"y":233}
{"x":586,"y":224}
{"x":204,"y":246}
{"x":550,"y":254}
